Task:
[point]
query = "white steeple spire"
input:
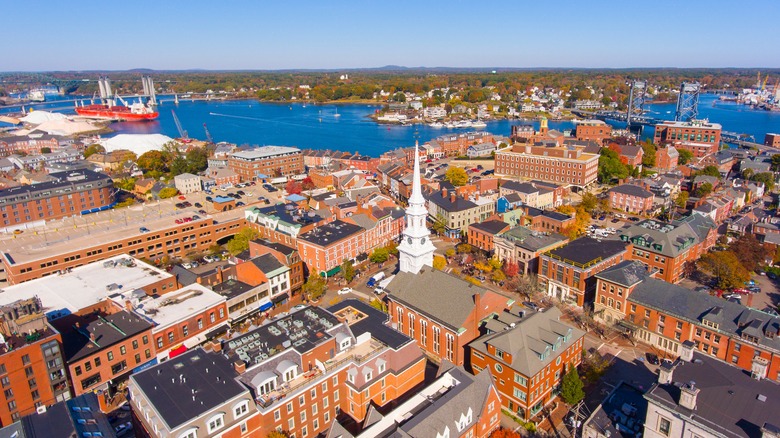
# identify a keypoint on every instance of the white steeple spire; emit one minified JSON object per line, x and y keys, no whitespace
{"x":416,"y":249}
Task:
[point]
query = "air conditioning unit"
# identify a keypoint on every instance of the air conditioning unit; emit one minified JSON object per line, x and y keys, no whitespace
{"x":41,"y":409}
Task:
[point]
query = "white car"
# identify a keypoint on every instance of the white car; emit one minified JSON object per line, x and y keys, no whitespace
{"x":345,"y":290}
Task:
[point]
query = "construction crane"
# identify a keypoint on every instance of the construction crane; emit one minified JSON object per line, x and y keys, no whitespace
{"x":208,"y":134}
{"x":182,"y":133}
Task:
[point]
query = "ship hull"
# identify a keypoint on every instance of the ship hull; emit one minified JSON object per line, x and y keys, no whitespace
{"x":114,"y":113}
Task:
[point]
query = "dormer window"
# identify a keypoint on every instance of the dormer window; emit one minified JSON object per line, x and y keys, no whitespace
{"x":216,"y":422}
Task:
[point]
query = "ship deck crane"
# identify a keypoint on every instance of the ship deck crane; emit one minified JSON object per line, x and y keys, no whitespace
{"x":184,"y":137}
{"x":208,"y":134}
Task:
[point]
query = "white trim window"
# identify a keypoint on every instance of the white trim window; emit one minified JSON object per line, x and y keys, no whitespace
{"x":190,"y":433}
{"x":216,"y":422}
{"x":241,"y":408}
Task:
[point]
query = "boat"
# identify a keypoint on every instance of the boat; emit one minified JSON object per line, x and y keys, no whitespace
{"x":36,"y":95}
{"x":134,"y":112}
{"x":478,"y":124}
{"x":436,"y":125}
{"x":337,"y":113}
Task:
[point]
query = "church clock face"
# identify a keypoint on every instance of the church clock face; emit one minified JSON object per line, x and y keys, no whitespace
{"x":422,"y":240}
{"x":409,"y":240}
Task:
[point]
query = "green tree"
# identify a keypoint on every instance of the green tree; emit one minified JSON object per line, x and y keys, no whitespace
{"x":498,"y":276}
{"x":681,"y":200}
{"x":93,"y":149}
{"x":240,"y":242}
{"x":776,"y":163}
{"x":168,"y":192}
{"x":348,"y":270}
{"x":571,"y":387}
{"x":648,"y":159}
{"x":590,"y":203}
{"x":45,"y":150}
{"x":379,"y":255}
{"x":749,"y":251}
{"x":152,"y":161}
{"x":449,"y":252}
{"x":127,"y":184}
{"x":439,"y":224}
{"x":703,"y":190}
{"x":439,"y":263}
{"x":765,"y":177}
{"x":197,"y":160}
{"x":315,"y":286}
{"x":610,"y":167}
{"x":456,"y":176}
{"x":685,"y":156}
{"x":378,"y":304}
{"x":392,"y":247}
{"x":709,"y":171}
{"x":726,"y":268}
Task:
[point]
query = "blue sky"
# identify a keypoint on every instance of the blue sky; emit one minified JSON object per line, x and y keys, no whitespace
{"x":220,"y":35}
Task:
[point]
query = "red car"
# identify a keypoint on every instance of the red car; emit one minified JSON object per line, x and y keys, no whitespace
{"x":741,"y":291}
{"x":179,"y":221}
{"x":181,"y":198}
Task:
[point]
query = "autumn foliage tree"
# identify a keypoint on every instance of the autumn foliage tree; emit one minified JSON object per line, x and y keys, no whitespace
{"x":293,"y":187}
{"x":511,"y":269}
{"x":726,"y":268}
{"x":505,"y":433}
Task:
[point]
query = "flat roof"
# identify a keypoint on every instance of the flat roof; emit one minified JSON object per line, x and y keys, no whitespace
{"x":107,"y":330}
{"x":586,"y":251}
{"x":264,"y":152}
{"x":85,"y":285}
{"x":176,"y":306}
{"x":374,"y":322}
{"x":330,"y":233}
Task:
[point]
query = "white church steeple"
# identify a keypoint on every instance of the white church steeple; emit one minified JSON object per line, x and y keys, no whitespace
{"x":416,"y":248}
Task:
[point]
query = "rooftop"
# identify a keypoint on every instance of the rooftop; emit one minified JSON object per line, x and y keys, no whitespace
{"x":632,"y":190}
{"x":84,"y":336}
{"x":626,"y":273}
{"x":692,"y":124}
{"x":264,"y":152}
{"x":532,"y":240}
{"x":491,"y":226}
{"x":63,"y":180}
{"x":371,"y":321}
{"x":586,"y":251}
{"x":330,"y":233}
{"x":729,"y":402}
{"x":189,"y":385}
{"x":448,"y":204}
{"x":177,"y":306}
{"x":77,"y":417}
{"x":668,"y":238}
{"x":621,"y":414}
{"x":85,"y":285}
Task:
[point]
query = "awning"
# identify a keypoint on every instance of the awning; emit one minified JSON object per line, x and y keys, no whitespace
{"x":217,"y":331}
{"x":332,"y":272}
{"x":280,"y":298}
{"x":361,"y":257}
{"x":177,"y":351}
{"x":266,"y":306}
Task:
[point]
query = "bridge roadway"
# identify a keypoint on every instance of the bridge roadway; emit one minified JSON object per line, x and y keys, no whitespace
{"x":617,"y":116}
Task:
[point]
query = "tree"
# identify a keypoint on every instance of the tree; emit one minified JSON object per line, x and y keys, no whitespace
{"x":709,"y":171}
{"x":45,"y":150}
{"x":765,"y":177}
{"x":610,"y":167}
{"x":726,"y":268}
{"x":473,"y":280}
{"x":152,"y":161}
{"x":348,"y":270}
{"x":685,"y":156}
{"x":749,"y":251}
{"x":392,"y":247}
{"x":240,"y":242}
{"x":378,"y":305}
{"x":776,"y":162}
{"x":498,"y":276}
{"x":747,"y":173}
{"x":648,"y":159}
{"x":495,"y":263}
{"x":439,"y":263}
{"x":571,"y":387}
{"x":379,"y":255}
{"x":277,"y":434}
{"x":681,"y":200}
{"x":511,"y":269}
{"x":703,"y":190}
{"x":463,"y":248}
{"x":505,"y":433}
{"x":308,"y":184}
{"x":93,"y":149}
{"x":168,"y":192}
{"x":590,"y":202}
{"x":456,"y":176}
{"x":293,"y":187}
{"x":197,"y":159}
{"x":439,"y":224}
{"x":315,"y":286}
{"x":449,"y":252}
{"x":527,"y":285}
{"x":127,"y":184}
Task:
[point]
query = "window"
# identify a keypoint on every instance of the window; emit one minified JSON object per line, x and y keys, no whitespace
{"x":78,"y":372}
{"x":35,"y":394}
{"x":88,"y":366}
{"x":303,"y":416}
{"x":146,"y":339}
{"x":277,"y":415}
{"x":211,"y":317}
{"x":135,"y":344}
{"x":242,"y":408}
{"x":289,"y":407}
{"x":191,"y":433}
{"x":32,"y":383}
{"x":216,"y":422}
{"x":291,"y":423}
{"x":664,"y":426}
{"x":522,"y":381}
{"x":25,"y":359}
{"x":97,"y":361}
{"x":11,"y":405}
{"x":9,"y":393}
{"x":122,"y":349}
{"x":159,"y":342}
{"x":301,"y":401}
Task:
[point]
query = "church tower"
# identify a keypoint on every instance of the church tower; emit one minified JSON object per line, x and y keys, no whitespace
{"x":543,"y":129}
{"x":416,"y":248}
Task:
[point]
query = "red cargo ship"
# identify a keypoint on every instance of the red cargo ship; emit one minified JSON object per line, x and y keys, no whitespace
{"x":134,"y":112}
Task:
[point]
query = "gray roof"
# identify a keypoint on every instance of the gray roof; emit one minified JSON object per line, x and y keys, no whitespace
{"x":632,"y":190}
{"x":732,"y":319}
{"x":586,"y":250}
{"x":268,"y":263}
{"x":446,"y":203}
{"x":669,"y":239}
{"x":330,"y":233}
{"x":729,"y":401}
{"x":491,"y":226}
{"x":376,"y":323}
{"x":169,"y":385}
{"x":425,"y":291}
{"x":531,"y":240}
{"x":446,"y":411}
{"x":521,"y":187}
{"x":530,"y":337}
{"x":626,"y":273}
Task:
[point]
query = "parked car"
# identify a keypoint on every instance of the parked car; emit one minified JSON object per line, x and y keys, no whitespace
{"x":732,"y":296}
{"x":345,"y":290}
{"x":208,"y":198}
{"x":652,"y":359}
{"x":741,"y":291}
{"x":182,"y":197}
{"x":533,"y":306}
{"x":198,"y":205}
{"x":203,"y":212}
{"x":195,"y":217}
{"x":379,"y":290}
{"x":602,"y":217}
{"x":241,"y":192}
{"x":143,"y":230}
{"x":614,"y":221}
{"x":187,"y":204}
{"x":123,"y":428}
{"x":179,"y":221}
{"x":299,"y":307}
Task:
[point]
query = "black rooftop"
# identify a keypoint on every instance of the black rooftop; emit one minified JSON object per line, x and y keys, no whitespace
{"x":284,"y":249}
{"x":375,"y":323}
{"x":330,"y":233}
{"x":266,"y":263}
{"x":626,"y":273}
{"x":77,"y":417}
{"x":170,"y":386}
{"x":231,"y":288}
{"x":107,"y":330}
{"x":447,"y":204}
{"x":62,"y":180}
{"x":632,"y":190}
{"x":492,"y":226}
{"x":586,"y":250}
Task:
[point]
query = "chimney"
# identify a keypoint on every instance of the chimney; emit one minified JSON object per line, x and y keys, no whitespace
{"x":216,"y":346}
{"x":240,"y":366}
{"x":759,"y":368}
{"x":199,"y":280}
{"x":128,"y":306}
{"x":453,"y":196}
{"x":688,"y":393}
{"x":688,"y":347}
{"x":92,"y":337}
{"x":443,"y":192}
{"x":665,"y":373}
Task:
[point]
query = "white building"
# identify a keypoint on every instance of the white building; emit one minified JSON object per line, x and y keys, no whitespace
{"x":187,"y":183}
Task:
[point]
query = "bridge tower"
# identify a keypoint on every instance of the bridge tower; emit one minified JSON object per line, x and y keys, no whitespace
{"x":636,"y":105}
{"x":687,"y":102}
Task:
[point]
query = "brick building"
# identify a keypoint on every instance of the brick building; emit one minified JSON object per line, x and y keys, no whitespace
{"x":458,"y":212}
{"x":567,"y":272}
{"x":670,"y":247}
{"x":324,"y":248}
{"x":631,"y":199}
{"x":666,"y":158}
{"x":286,"y":255}
{"x":481,"y":234}
{"x":614,"y":285}
{"x":522,"y":246}
{"x":68,"y":194}
{"x":453,"y":145}
{"x":556,"y":164}
{"x":32,"y":371}
{"x":278,"y":223}
{"x":772,"y":140}
{"x":223,"y":176}
{"x":699,"y":137}
{"x":30,"y":146}
{"x":527,"y":356}
{"x":546,"y":220}
{"x":596,"y":130}
{"x":441,"y":331}
{"x":271,"y":161}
